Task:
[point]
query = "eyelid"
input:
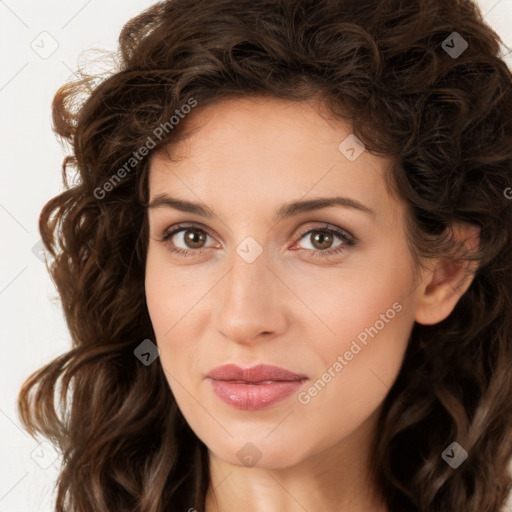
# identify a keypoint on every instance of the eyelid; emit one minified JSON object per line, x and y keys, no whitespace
{"x":303,"y":231}
{"x":326,"y":225}
{"x":174,"y":229}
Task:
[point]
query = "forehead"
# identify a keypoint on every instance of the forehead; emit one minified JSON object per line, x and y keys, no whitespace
{"x":260,"y":151}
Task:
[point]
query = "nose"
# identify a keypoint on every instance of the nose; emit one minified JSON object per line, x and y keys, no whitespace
{"x":251,"y":302}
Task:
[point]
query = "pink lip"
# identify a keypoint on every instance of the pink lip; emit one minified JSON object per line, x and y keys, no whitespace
{"x":253,"y":388}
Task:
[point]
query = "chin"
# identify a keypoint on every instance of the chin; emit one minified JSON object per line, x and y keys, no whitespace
{"x":262,"y":454}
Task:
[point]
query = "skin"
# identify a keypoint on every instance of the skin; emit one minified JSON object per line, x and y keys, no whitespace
{"x":290,"y":308}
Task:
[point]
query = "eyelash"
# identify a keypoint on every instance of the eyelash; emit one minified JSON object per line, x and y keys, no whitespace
{"x":350,"y":241}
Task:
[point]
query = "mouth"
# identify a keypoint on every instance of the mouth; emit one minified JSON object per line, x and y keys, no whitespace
{"x":258,"y":373}
{"x":254,"y":388}
{"x":254,"y":383}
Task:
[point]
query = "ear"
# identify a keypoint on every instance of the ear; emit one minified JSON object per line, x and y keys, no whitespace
{"x":447,"y":280}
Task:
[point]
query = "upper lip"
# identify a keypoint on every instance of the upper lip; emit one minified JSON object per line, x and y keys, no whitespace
{"x":258,"y":373}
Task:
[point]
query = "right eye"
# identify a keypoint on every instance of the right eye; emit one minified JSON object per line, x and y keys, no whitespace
{"x":189,"y":236}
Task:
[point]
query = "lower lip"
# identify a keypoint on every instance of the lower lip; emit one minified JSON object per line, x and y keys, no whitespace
{"x":253,"y":397}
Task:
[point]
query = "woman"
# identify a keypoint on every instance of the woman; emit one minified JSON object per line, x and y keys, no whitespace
{"x":285,"y":266}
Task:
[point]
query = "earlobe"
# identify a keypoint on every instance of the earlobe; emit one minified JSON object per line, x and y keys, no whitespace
{"x":448,"y":280}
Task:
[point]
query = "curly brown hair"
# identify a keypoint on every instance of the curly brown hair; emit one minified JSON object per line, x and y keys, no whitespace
{"x":445,"y":120}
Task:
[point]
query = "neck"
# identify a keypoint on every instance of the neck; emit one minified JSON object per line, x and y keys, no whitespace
{"x":337,"y":479}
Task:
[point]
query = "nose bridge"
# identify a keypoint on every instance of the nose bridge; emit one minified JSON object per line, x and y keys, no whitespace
{"x":249,"y":269}
{"x":247,"y":283}
{"x":248,"y":301}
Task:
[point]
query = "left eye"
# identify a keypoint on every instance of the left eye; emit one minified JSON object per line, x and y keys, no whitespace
{"x":196,"y":237}
{"x":325,"y":236}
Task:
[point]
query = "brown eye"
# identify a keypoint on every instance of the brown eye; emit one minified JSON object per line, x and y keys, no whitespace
{"x":185,"y":240}
{"x":322,"y":240}
{"x":191,"y":240}
{"x":194,"y":238}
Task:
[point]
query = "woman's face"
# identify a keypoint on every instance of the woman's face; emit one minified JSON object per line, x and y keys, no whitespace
{"x":252,"y":290}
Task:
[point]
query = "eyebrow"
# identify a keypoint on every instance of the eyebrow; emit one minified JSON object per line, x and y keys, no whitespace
{"x":285,"y":211}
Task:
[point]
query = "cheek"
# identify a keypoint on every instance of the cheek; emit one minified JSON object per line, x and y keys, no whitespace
{"x":370,"y":316}
{"x":170,"y":292}
{"x":354,"y":376}
{"x":172,"y":298}
{"x":367,"y":299}
{"x":163,"y":302}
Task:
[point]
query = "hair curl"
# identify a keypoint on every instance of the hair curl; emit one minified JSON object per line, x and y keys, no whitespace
{"x":446,"y":123}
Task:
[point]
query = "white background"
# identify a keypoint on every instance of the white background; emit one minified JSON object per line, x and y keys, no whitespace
{"x":32,"y":326}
